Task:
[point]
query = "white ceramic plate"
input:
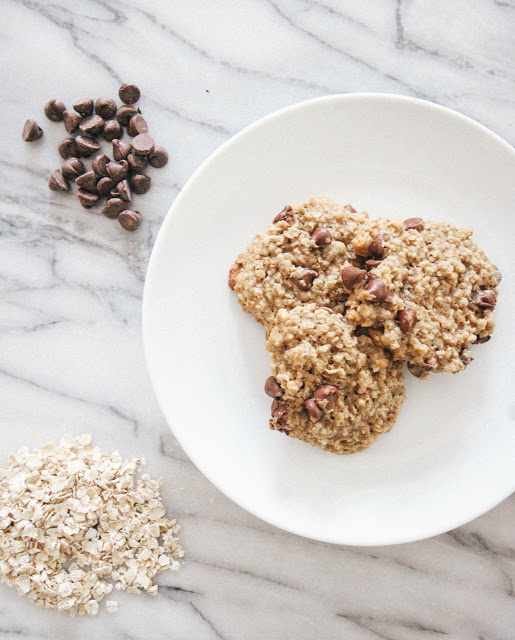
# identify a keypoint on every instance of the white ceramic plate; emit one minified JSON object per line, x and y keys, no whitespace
{"x":450,"y":456}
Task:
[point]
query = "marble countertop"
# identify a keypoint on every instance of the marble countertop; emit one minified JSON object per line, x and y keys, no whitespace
{"x":71,"y":355}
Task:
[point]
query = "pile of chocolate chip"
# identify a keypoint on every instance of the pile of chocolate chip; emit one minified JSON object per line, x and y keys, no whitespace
{"x":114,"y":179}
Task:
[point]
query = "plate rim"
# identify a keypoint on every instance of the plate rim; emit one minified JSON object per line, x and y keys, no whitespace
{"x":450,"y":523}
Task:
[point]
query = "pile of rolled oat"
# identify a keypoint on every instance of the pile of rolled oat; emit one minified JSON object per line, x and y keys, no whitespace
{"x":74,"y":519}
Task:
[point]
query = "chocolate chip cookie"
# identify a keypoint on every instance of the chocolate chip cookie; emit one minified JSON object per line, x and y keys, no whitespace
{"x":297,"y":259}
{"x":424,"y":291}
{"x":330,"y":388}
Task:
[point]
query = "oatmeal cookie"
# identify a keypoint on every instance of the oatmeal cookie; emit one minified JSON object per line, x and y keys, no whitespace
{"x":331,"y":388}
{"x":425,"y":292}
{"x":297,"y":259}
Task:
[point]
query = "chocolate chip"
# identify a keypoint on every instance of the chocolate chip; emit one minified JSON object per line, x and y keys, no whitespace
{"x":58,"y":182}
{"x":378,"y":325}
{"x":420,"y":371}
{"x":313,"y":410}
{"x":485,"y":299}
{"x":352,"y":276}
{"x":31,"y":131}
{"x":123,"y":191}
{"x":86,"y":146}
{"x":361,"y":331}
{"x":105,"y":186}
{"x":88,"y":181}
{"x":305,"y":281}
{"x":497,"y":275}
{"x":86,"y":198}
{"x":375,"y":248}
{"x":350,"y":208}
{"x":117,"y":170}
{"x":124,"y":114}
{"x":376,"y":288}
{"x":92,"y":125}
{"x":483,"y":340}
{"x":72,"y":167}
{"x":84,"y":106}
{"x":372,"y":263}
{"x":325,"y":396}
{"x":99,"y":164}
{"x":54,"y":110}
{"x":121,"y":150}
{"x":71,"y":121}
{"x":407,"y":319}
{"x":137,"y":163}
{"x":137,"y":125}
{"x":105,"y":107}
{"x":414,"y":223}
{"x":129,"y":219}
{"x":68,"y":148}
{"x":321,"y":237}
{"x":272,"y":388}
{"x":139,"y":183}
{"x":112,"y":129}
{"x":159,"y":158}
{"x":279,"y":413}
{"x":113,"y":207}
{"x":143,"y":144}
{"x":285,"y":214}
{"x":129,"y":93}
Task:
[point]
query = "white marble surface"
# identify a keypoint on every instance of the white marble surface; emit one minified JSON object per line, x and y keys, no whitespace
{"x":70,"y":341}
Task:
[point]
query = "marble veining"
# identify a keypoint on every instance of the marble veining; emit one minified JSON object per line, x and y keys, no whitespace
{"x":70,"y":311}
